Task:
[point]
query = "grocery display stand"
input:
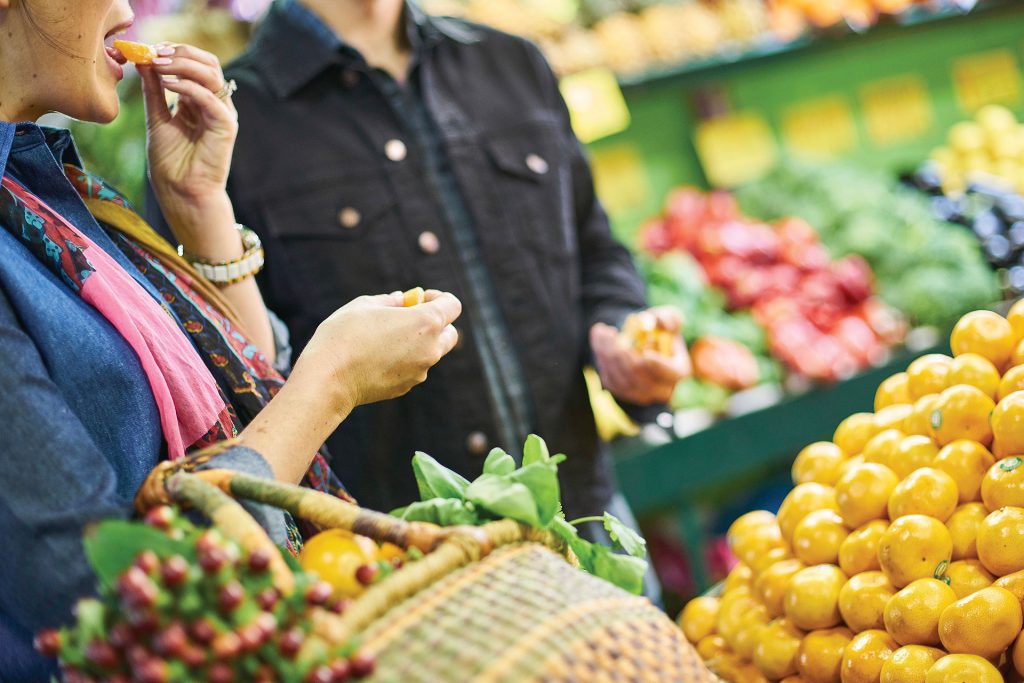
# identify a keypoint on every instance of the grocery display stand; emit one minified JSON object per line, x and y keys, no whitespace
{"x":680,"y":476}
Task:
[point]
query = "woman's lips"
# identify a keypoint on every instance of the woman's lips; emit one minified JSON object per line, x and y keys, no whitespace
{"x":116,"y":61}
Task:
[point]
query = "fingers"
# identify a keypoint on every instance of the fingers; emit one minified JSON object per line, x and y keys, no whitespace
{"x":153,"y":97}
{"x":207,"y":75}
{"x":669,"y":318}
{"x":449,"y":338}
{"x":215,"y":112}
{"x":446,"y":306}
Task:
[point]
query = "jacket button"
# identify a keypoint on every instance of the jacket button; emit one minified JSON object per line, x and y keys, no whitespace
{"x":537,"y":164}
{"x":349,"y":217}
{"x":395,"y":150}
{"x":477,"y":443}
{"x":349,"y":78}
{"x":429,"y":243}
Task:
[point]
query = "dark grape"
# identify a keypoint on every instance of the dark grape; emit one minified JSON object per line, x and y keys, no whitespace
{"x":342,"y":670}
{"x":319,"y":593}
{"x":321,"y":674}
{"x":997,"y":249}
{"x":367,"y":574}
{"x":259,"y":561}
{"x":174,"y":571}
{"x":147,"y":561}
{"x":160,"y":517}
{"x":340,"y":605}
{"x":363,"y":664}
{"x":136,"y":588}
{"x":230,"y":596}
{"x":213,"y":559}
{"x":121,"y":635}
{"x":48,"y":643}
{"x":172,"y":640}
{"x":267,"y":598}
{"x":290,"y":642}
{"x":202,"y":630}
{"x":986,"y":225}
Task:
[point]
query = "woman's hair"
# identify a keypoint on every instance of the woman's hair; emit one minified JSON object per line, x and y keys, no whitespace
{"x":47,"y":37}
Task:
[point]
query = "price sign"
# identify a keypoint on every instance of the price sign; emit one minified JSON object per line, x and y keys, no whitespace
{"x":736,"y":148}
{"x":896,"y":109}
{"x":822,"y":128}
{"x":987,"y":78}
{"x":596,"y":104}
{"x":620,"y":178}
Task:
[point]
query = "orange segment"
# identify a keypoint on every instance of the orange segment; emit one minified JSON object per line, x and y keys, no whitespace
{"x":414,"y":297}
{"x":136,"y":53}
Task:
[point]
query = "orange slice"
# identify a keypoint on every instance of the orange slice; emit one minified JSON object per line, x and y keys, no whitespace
{"x":136,"y":53}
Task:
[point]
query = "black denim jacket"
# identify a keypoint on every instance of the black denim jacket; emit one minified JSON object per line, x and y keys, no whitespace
{"x":324,"y":173}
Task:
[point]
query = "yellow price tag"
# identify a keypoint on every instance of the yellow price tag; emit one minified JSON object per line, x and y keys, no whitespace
{"x":596,"y":104}
{"x":896,"y":109}
{"x":819,"y":129}
{"x":736,"y":148}
{"x":987,"y":78}
{"x":620,"y":177}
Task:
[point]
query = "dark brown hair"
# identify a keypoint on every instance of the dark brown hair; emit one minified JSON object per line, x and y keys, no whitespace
{"x":47,"y":37}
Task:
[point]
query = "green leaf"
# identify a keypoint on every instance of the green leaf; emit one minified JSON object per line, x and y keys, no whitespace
{"x":627,"y":539}
{"x":112,"y":546}
{"x":499,"y":462}
{"x":90,"y":614}
{"x":624,"y":571}
{"x":504,"y":498}
{"x":535,"y":450}
{"x":435,"y":480}
{"x":542,"y":480}
{"x":443,"y":511}
{"x":583,"y":549}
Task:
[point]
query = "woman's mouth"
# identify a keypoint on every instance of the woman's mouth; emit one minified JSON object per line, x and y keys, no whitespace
{"x":115,"y":59}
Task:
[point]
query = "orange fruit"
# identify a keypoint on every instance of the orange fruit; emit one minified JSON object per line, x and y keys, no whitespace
{"x":862,"y":494}
{"x":748,"y":673}
{"x":817,"y":537}
{"x":1012,"y":381}
{"x":926,"y":491}
{"x":892,"y":417}
{"x":802,"y":501}
{"x":1017,"y":358}
{"x":865,"y":655}
{"x":963,"y":413}
{"x":912,"y":548}
{"x":821,"y":654}
{"x":740,"y":575}
{"x":910,"y":664}
{"x":963,"y":529}
{"x":976,"y":371}
{"x":963,"y":669}
{"x":912,"y":452}
{"x":812,"y":597}
{"x":775,"y":654}
{"x":1003,"y":484}
{"x":749,"y":631}
{"x":967,"y":462}
{"x":1001,"y":541}
{"x":854,"y":432}
{"x":751,"y":521}
{"x":751,"y":537}
{"x":850,"y":463}
{"x":1015,"y":316}
{"x":1017,"y":654}
{"x":698,"y":618}
{"x":892,"y":391}
{"x":912,"y":614}
{"x":766,"y":559}
{"x":985,"y":333}
{"x":859,"y":552}
{"x":920,"y":419}
{"x":136,"y":53}
{"x":968,"y":576}
{"x":1014,"y":583}
{"x":711,"y":646}
{"x":928,"y":375}
{"x":863,"y":598}
{"x":772,"y":583}
{"x":1008,"y":424}
{"x":984,"y":623}
{"x":731,"y":611}
{"x":882,"y":446}
{"x":335,"y":555}
{"x":820,"y":462}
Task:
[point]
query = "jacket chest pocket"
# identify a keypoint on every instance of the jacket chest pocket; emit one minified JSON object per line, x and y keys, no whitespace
{"x":338,"y":237}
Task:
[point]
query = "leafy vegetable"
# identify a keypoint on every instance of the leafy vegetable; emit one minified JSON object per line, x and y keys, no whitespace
{"x":112,"y":546}
{"x":443,"y":511}
{"x":504,"y":498}
{"x":627,"y":539}
{"x":499,"y":462}
{"x":435,"y":480}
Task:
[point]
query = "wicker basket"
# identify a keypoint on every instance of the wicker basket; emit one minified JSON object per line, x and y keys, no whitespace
{"x":501,"y":603}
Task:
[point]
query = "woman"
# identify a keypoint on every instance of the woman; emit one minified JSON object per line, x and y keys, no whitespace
{"x":114,"y":353}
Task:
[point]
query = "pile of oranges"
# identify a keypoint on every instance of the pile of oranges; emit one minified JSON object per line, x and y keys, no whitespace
{"x":899,"y":555}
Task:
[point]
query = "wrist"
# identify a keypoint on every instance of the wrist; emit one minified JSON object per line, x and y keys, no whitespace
{"x":204,"y":226}
{"x":331,"y":391}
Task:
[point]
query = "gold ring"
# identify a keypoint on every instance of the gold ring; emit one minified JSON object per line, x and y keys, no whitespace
{"x":228,"y":90}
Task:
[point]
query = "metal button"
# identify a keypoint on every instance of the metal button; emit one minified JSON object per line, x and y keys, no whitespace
{"x":477,"y":443}
{"x":429,"y":243}
{"x":349,"y":78}
{"x":349,"y":217}
{"x":395,"y":150}
{"x":537,"y":164}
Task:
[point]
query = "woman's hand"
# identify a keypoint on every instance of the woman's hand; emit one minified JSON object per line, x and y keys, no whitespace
{"x":374,"y":349}
{"x":190,"y":149}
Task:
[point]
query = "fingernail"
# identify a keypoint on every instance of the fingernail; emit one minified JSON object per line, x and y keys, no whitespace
{"x":165,"y":50}
{"x":162,"y":61}
{"x":169,"y":79}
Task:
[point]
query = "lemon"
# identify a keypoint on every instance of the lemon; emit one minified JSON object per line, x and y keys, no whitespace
{"x":985,"y":333}
{"x":963,"y":529}
{"x":818,"y":536}
{"x":1001,"y":541}
{"x":1003,"y":484}
{"x":812,"y":597}
{"x":862,"y":494}
{"x":863,"y":599}
{"x":820,"y":656}
{"x":967,"y":462}
{"x":698,"y":618}
{"x":820,"y":462}
{"x":882,"y":446}
{"x":963,"y":669}
{"x":976,"y":371}
{"x":892,"y":391}
{"x":865,"y":656}
{"x":777,"y":647}
{"x":854,"y":432}
{"x":910,"y":664}
{"x":926,"y":491}
{"x":928,"y":375}
{"x":859,"y":552}
{"x":912,"y":548}
{"x":968,"y":576}
{"x":984,"y":623}
{"x":963,"y":413}
{"x":802,"y":501}
{"x":772,"y":583}
{"x":912,"y":615}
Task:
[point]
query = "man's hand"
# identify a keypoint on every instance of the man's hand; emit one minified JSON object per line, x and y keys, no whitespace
{"x":641,"y":378}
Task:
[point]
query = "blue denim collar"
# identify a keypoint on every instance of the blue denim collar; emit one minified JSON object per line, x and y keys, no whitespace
{"x":6,"y":140}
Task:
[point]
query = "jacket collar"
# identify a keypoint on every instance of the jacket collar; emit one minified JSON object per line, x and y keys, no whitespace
{"x":6,"y":139}
{"x":293,"y":46}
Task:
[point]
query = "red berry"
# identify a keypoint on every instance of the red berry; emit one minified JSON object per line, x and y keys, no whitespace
{"x":267,"y":623}
{"x":342,"y":670}
{"x":121,"y":635}
{"x":147,"y":561}
{"x":70,"y":675}
{"x":137,"y":655}
{"x":136,"y":588}
{"x":152,"y":671}
{"x":102,"y":654}
{"x":340,"y":605}
{"x":202,"y":630}
{"x":319,"y":593}
{"x":160,"y":517}
{"x":208,"y":540}
{"x":143,"y":621}
{"x":251,"y":637}
{"x":267,"y":598}
{"x":367,"y":574}
{"x":264,"y":675}
{"x":259,"y":561}
{"x":291,"y":642}
{"x":362,"y":664}
{"x":116,"y":678}
{"x":230,"y":596}
{"x":174,"y":571}
{"x":321,"y":674}
{"x":220,"y":673}
{"x":227,"y":645}
{"x":171,"y":641}
{"x":48,"y":643}
{"x":193,"y":656}
{"x":212,"y":559}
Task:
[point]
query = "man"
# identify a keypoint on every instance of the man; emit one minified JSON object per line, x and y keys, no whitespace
{"x":381,"y":149}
